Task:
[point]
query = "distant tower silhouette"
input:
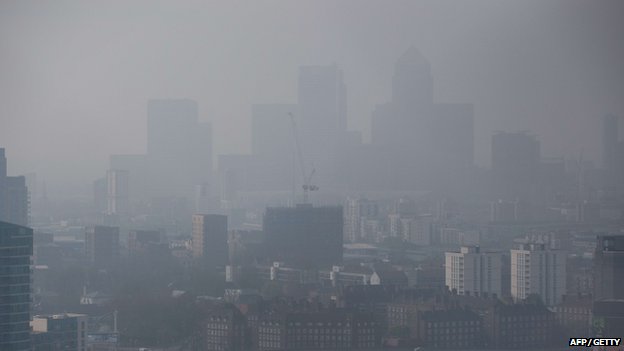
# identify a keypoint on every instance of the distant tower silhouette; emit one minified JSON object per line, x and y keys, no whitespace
{"x":412,"y":83}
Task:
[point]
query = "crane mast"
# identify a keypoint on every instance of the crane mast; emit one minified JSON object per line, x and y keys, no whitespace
{"x":307,"y":178}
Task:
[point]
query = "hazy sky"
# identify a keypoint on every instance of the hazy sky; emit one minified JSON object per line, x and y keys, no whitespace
{"x":75,"y":76}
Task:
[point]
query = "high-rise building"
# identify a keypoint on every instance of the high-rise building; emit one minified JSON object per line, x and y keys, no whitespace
{"x":102,"y":245}
{"x":609,"y":267}
{"x":14,"y":201}
{"x":515,"y":164}
{"x":117,"y":192}
{"x":322,"y":118}
{"x":63,"y":331}
{"x":472,"y":271}
{"x":210,"y":239}
{"x":538,"y":270}
{"x":412,"y":82}
{"x":356,"y":212}
{"x":304,"y":235}
{"x":16,"y":249}
{"x":428,"y":144}
{"x":100,"y":195}
{"x":273,"y":146}
{"x":179,"y":148}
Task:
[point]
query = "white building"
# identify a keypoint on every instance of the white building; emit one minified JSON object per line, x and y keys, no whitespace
{"x":472,"y":271}
{"x":537,"y":269}
{"x":357,"y":211}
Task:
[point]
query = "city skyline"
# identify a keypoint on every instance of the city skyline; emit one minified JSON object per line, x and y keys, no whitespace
{"x":560,"y":102}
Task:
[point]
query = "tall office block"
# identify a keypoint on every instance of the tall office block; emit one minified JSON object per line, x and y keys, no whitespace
{"x":472,"y":271}
{"x":117,"y":192}
{"x":427,"y":144}
{"x":515,"y":164}
{"x":322,"y":118}
{"x":273,"y":146}
{"x":16,"y":249}
{"x":14,"y":201}
{"x":210,"y":239}
{"x":536,"y":269}
{"x":179,"y":147}
{"x":102,"y":245}
{"x":609,"y":267}
{"x":304,"y":235}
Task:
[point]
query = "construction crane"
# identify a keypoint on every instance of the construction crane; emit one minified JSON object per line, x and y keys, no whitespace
{"x":307,"y":178}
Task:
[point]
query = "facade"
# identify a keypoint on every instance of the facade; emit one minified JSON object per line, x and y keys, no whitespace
{"x":450,"y":329}
{"x":210,"y":236}
{"x":519,"y":326}
{"x":14,"y":199}
{"x":357,"y":212}
{"x":323,"y":330}
{"x":102,"y":245}
{"x":140,"y":241}
{"x":63,"y":332}
{"x":538,"y":270}
{"x":608,"y":318}
{"x":574,"y":314}
{"x":117,"y":192}
{"x":609,"y":267}
{"x":16,"y":249}
{"x":304,"y":236}
{"x":225,"y":329}
{"x":339,"y":276}
{"x":472,"y":271}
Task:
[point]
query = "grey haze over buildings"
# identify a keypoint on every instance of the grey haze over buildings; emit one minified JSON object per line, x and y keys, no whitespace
{"x":76,"y":77}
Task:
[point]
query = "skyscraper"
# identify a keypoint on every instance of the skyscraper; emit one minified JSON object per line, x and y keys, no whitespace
{"x":179,"y":148}
{"x":412,"y":82}
{"x":117,"y":192}
{"x":322,"y":118}
{"x":537,"y":269}
{"x":304,"y":236}
{"x":429,"y":144}
{"x":210,"y":239}
{"x":16,"y":248}
{"x":14,"y":202}
{"x":472,"y":271}
{"x":273,"y":146}
{"x":515,"y":164}
{"x":609,"y":267}
{"x":102,"y":245}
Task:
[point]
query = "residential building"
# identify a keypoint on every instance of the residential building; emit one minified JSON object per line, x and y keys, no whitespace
{"x":520,"y":326}
{"x":225,"y":328}
{"x":538,"y":270}
{"x":473,"y":271}
{"x":609,"y":267}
